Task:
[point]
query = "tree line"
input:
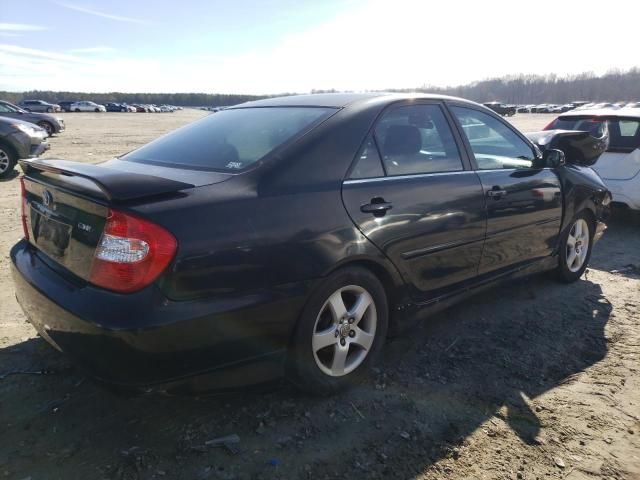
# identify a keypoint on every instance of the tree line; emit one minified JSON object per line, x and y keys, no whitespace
{"x":613,"y":86}
{"x":524,"y":89}
{"x":182,"y":99}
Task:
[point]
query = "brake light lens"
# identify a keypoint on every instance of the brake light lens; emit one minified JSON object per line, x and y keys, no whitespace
{"x":550,"y":125}
{"x":23,"y":208}
{"x":131,"y":254}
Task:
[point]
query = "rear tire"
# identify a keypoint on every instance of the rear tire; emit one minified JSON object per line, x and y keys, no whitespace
{"x":96,"y":110}
{"x":340,"y":333}
{"x":77,"y":110}
{"x":8,"y":160}
{"x":575,"y":248}
{"x":49,"y":110}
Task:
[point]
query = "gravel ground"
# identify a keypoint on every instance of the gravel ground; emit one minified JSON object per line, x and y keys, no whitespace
{"x":530,"y":380}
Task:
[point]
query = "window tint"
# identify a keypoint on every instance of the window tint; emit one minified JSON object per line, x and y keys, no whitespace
{"x":494,"y":144}
{"x":417,"y":139}
{"x":231,"y":140}
{"x":5,"y":109}
{"x":624,"y":134}
{"x":368,"y":163}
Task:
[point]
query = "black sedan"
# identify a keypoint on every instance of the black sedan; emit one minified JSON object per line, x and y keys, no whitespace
{"x":290,"y":236}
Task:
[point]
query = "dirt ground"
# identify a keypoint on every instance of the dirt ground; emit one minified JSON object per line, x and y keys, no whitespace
{"x":530,"y":380}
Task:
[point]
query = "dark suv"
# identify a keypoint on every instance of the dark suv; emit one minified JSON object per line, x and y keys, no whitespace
{"x":501,"y":108}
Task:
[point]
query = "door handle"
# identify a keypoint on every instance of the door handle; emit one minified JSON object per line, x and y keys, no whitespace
{"x":496,"y":193}
{"x":378,"y":207}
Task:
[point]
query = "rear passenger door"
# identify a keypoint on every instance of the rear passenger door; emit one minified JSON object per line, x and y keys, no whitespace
{"x":412,"y":192}
{"x":523,"y":198}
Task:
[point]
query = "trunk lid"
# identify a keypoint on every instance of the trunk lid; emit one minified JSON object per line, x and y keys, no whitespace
{"x":66,"y":203}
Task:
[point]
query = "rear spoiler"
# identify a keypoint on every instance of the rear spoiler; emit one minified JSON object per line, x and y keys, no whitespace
{"x":579,"y":147}
{"x":115,"y":185}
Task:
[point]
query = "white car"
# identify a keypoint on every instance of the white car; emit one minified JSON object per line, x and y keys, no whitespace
{"x":86,"y":106}
{"x":619,"y":166}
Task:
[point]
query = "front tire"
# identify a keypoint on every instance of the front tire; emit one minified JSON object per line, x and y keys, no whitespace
{"x":575,"y":248}
{"x":47,"y":126}
{"x":341,"y":331}
{"x":8,"y":160}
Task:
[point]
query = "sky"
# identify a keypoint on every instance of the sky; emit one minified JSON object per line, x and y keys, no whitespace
{"x":276,"y":46}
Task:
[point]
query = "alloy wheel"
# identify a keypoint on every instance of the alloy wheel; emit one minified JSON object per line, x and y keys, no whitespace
{"x":4,"y":161}
{"x":577,"y":245}
{"x":47,"y":127}
{"x":344,"y":331}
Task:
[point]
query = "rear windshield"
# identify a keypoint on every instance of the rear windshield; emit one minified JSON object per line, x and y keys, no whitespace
{"x":230,"y":140}
{"x":624,"y":133}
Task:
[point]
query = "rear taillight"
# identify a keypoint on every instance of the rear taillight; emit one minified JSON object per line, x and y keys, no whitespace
{"x":549,"y":125}
{"x":23,"y":208}
{"x":131,"y":254}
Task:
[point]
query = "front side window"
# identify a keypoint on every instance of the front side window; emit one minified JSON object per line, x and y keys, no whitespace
{"x":494,"y":144}
{"x":5,"y":108}
{"x":417,"y":139}
{"x":231,"y":139}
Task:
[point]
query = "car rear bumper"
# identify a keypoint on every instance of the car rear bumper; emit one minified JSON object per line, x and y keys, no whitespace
{"x":626,"y":191}
{"x":145,"y":340}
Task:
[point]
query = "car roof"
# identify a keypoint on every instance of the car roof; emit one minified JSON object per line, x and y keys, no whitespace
{"x":340,"y":100}
{"x":603,"y":112}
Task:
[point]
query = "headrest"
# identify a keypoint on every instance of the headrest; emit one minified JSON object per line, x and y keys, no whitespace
{"x":402,"y":140}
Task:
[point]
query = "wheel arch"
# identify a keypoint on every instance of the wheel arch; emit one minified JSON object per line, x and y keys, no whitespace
{"x":385,"y":272}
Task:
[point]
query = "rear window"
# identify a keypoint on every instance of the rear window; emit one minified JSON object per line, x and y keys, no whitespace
{"x":230,"y":140}
{"x":624,"y":133}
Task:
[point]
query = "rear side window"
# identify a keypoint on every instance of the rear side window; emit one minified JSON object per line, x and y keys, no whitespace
{"x":417,"y":139}
{"x":230,"y":140}
{"x":368,"y":163}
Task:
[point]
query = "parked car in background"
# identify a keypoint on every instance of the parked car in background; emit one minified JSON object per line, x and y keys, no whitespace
{"x":343,"y":215}
{"x":65,"y":106}
{"x":39,"y":106}
{"x":116,"y":107}
{"x":51,"y":124}
{"x":87,"y":106}
{"x":19,"y":140}
{"x":619,"y":166}
{"x":139,"y":108}
{"x":502,"y":108}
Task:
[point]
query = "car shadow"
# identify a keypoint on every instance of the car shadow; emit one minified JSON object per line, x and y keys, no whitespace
{"x":10,"y":176}
{"x":619,"y":251}
{"x":488,"y":359}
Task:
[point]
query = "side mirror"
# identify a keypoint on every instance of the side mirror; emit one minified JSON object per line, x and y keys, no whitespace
{"x":553,"y":158}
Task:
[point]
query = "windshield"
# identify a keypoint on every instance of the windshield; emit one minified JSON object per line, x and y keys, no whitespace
{"x":230,"y":140}
{"x":624,"y":133}
{"x":7,"y":107}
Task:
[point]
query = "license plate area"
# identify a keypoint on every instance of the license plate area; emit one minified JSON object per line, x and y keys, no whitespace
{"x":50,"y":235}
